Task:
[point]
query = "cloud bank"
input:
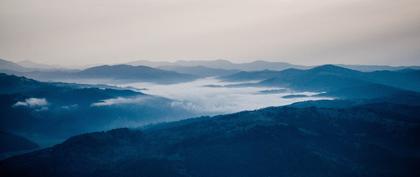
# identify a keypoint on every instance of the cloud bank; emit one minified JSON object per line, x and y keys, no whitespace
{"x":197,"y":97}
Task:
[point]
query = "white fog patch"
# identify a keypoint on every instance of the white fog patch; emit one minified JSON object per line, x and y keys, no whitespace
{"x":197,"y":96}
{"x":122,"y":100}
{"x":32,"y":102}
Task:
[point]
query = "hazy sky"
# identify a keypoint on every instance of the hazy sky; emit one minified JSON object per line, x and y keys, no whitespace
{"x":77,"y":32}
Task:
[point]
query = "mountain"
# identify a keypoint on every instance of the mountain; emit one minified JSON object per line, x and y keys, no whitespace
{"x":370,"y":68}
{"x":408,"y":79}
{"x":110,"y":74}
{"x":54,"y":111}
{"x":267,"y":65}
{"x":7,"y":66}
{"x":201,"y":71}
{"x":133,"y":73}
{"x":154,"y":64}
{"x":365,"y":140}
{"x":337,"y":81}
{"x":249,"y":76}
{"x":290,"y":73}
{"x":10,"y":142}
{"x":260,"y":65}
{"x":222,"y":64}
{"x":38,"y":66}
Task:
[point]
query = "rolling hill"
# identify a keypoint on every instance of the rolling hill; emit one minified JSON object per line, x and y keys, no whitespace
{"x":377,"y":139}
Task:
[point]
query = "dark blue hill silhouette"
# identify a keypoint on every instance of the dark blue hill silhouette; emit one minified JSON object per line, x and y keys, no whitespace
{"x":408,"y":79}
{"x":363,"y":140}
{"x":58,"y":110}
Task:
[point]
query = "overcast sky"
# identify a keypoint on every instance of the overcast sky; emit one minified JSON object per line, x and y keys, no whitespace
{"x":78,"y":32}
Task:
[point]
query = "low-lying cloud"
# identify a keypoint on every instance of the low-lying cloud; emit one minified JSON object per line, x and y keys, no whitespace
{"x":122,"y":100}
{"x":32,"y":102}
{"x":197,"y":97}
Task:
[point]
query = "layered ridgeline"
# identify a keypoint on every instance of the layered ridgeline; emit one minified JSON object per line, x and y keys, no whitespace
{"x":106,"y":73}
{"x":161,"y":72}
{"x":57,"y":110}
{"x":337,"y":81}
{"x":7,"y":66}
{"x":255,"y":65}
{"x":200,"y":71}
{"x":375,"y":139}
{"x":115,"y":73}
{"x":130,"y":73}
{"x":220,"y":64}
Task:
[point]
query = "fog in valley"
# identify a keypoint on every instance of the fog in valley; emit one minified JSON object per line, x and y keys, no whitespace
{"x":210,"y":96}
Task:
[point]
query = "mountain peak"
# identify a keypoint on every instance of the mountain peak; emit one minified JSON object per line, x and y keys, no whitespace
{"x":332,"y":68}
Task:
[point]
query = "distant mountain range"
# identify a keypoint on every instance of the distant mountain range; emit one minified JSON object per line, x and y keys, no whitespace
{"x":38,"y":66}
{"x":369,"y":68}
{"x":376,"y":139}
{"x":221,"y":64}
{"x":200,"y":71}
{"x":257,"y":65}
{"x":337,"y":81}
{"x":7,"y":66}
{"x":161,"y":72}
{"x":110,"y":73}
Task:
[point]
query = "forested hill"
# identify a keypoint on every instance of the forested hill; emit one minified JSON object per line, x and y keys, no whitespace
{"x":375,"y":139}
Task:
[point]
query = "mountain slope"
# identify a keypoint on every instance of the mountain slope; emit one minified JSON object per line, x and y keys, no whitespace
{"x":10,"y":142}
{"x":53,"y":111}
{"x":364,"y":140}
